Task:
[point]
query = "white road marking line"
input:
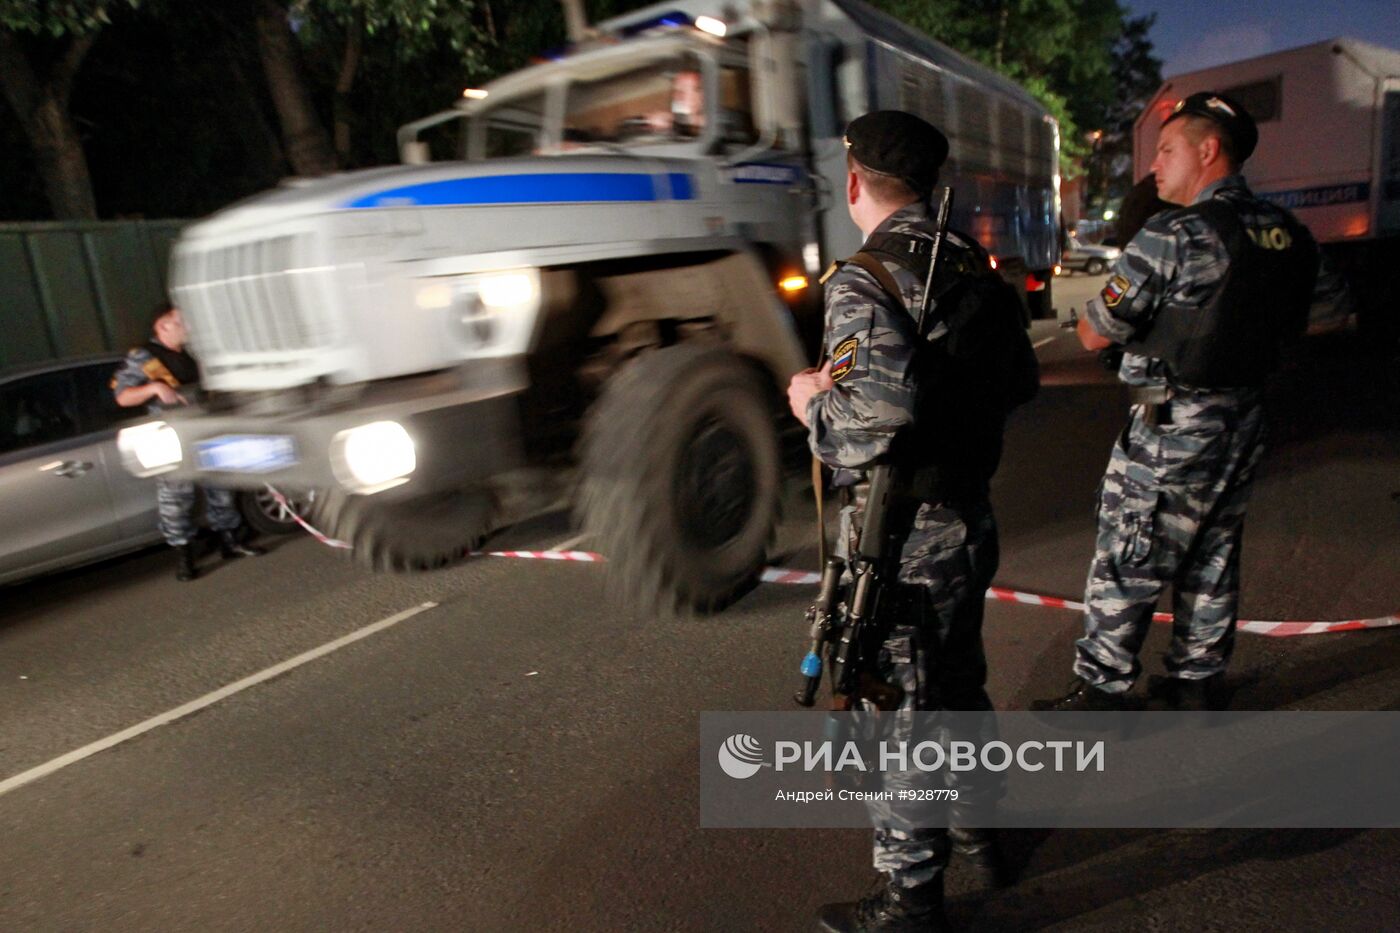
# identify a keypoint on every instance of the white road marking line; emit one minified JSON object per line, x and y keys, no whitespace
{"x":209,"y":699}
{"x":1040,"y":343}
{"x":569,"y":544}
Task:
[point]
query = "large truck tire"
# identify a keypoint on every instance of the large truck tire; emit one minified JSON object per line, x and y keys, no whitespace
{"x":411,"y":533}
{"x":681,"y":477}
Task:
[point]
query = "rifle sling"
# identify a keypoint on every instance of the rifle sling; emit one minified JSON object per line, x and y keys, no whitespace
{"x":876,"y":268}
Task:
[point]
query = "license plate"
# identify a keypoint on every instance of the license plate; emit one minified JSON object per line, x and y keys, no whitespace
{"x":246,"y":453}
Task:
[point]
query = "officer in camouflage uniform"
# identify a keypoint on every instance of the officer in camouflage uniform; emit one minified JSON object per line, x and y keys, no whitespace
{"x":879,"y":397}
{"x":1201,"y":300}
{"x":160,"y":375}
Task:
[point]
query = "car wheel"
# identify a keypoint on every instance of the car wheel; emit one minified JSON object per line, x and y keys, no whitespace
{"x":263,"y":513}
{"x":681,"y":474}
{"x":1095,"y":267}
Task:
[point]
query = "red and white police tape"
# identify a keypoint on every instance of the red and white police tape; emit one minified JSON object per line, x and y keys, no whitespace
{"x":996,"y":593}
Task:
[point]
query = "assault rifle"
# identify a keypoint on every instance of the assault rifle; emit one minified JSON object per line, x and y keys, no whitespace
{"x":852,"y":643}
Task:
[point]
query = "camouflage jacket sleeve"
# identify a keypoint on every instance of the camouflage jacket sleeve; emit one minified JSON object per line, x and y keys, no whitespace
{"x":132,"y":371}
{"x":1154,"y":267}
{"x":872,"y":365}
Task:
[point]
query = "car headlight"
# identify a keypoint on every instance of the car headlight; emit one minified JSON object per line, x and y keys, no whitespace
{"x":151,"y":448}
{"x":1112,"y":253}
{"x":373,"y":457}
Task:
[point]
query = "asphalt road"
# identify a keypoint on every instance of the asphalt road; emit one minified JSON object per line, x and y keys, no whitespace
{"x":522,"y":754}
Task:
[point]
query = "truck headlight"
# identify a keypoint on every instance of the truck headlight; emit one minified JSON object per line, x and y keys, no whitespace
{"x":492,"y":313}
{"x":148,"y":449}
{"x":508,"y":291}
{"x":373,"y":457}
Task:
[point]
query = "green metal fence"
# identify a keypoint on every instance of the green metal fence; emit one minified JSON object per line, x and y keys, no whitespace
{"x":70,"y":288}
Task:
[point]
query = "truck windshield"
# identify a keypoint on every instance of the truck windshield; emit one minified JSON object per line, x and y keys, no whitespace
{"x":663,"y":101}
{"x":659,"y":102}
{"x":515,"y":127}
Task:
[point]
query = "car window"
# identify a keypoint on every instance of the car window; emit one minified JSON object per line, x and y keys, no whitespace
{"x":96,"y":403}
{"x":37,"y":410}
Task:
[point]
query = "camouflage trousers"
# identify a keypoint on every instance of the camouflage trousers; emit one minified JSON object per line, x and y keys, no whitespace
{"x":1171,"y":511}
{"x":176,"y":503}
{"x":933,"y":652}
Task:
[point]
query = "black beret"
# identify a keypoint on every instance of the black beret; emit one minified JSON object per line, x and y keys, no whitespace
{"x":896,"y":143}
{"x":1227,"y":114}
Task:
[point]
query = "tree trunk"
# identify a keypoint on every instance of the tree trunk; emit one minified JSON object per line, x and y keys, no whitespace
{"x":59,"y":156}
{"x":304,"y":138}
{"x":349,"y":65}
{"x":41,"y":104}
{"x":263,"y":144}
{"x":1001,"y":33}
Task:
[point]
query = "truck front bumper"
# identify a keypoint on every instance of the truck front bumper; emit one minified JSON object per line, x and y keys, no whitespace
{"x":464,"y":428}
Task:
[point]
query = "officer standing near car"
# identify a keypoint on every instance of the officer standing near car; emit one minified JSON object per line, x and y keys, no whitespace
{"x":885,"y":394}
{"x":1202,"y":301}
{"x":161,"y":374}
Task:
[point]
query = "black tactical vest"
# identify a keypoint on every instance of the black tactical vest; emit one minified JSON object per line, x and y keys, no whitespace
{"x":177,"y":362}
{"x":980,"y":368}
{"x":1234,"y":340}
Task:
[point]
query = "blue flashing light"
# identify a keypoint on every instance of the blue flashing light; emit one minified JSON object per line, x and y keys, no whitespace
{"x":671,"y":20}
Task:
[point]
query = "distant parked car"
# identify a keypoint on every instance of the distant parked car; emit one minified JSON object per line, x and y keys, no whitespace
{"x":1087,"y":257}
{"x":65,"y":498}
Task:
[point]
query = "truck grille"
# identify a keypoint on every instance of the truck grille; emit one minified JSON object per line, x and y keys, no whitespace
{"x":260,"y":297}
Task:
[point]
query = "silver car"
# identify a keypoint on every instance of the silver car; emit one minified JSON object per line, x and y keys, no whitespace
{"x":1092,"y":258}
{"x":65,"y":498}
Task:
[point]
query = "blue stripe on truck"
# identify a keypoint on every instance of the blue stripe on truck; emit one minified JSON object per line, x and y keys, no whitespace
{"x":558,"y":188}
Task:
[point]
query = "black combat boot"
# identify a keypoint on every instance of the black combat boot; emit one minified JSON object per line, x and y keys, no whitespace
{"x":185,"y":570}
{"x":889,"y":909}
{"x":1182,"y":695}
{"x":1082,"y":698}
{"x":980,"y":852}
{"x":231,"y":547}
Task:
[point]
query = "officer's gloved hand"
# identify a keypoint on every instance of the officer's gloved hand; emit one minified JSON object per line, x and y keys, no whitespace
{"x":1111,"y":358}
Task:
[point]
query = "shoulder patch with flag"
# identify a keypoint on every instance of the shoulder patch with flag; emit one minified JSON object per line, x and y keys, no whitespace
{"x":844,"y":359}
{"x":1114,"y":291}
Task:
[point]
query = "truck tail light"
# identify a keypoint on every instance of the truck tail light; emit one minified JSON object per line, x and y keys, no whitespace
{"x":1036,"y":281}
{"x":1357,"y":226}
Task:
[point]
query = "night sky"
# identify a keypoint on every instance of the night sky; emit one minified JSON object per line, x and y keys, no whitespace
{"x":1192,"y":34}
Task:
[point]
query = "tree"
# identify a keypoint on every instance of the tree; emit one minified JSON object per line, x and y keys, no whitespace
{"x":335,"y":35}
{"x":304,"y":137}
{"x":1137,"y":73}
{"x":42,"y":48}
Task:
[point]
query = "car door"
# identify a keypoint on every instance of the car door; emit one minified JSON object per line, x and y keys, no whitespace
{"x":133,"y":499}
{"x":54,"y":505}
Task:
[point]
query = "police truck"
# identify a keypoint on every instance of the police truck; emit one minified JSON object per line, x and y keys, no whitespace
{"x":597,"y":273}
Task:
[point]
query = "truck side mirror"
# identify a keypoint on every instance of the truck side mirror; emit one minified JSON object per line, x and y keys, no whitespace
{"x":415,"y":153}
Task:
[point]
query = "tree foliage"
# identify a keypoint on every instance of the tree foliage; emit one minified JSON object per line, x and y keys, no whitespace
{"x":411,"y":28}
{"x":58,"y":20}
{"x":189,"y":87}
